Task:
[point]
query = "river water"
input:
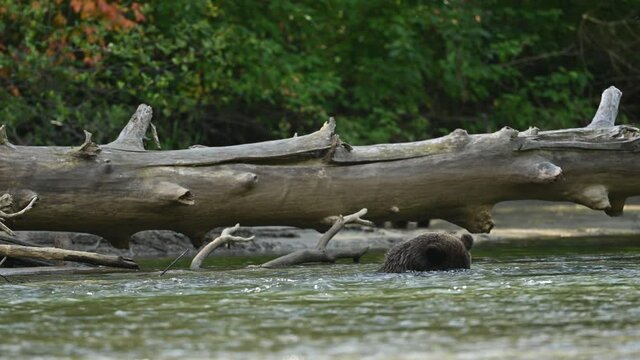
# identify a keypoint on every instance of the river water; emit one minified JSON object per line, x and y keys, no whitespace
{"x":573,"y":299}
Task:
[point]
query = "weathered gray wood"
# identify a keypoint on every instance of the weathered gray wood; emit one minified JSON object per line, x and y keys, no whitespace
{"x":320,"y":253}
{"x":131,"y":138}
{"x":268,"y":151}
{"x":303,"y":181}
{"x":56,"y":270}
{"x":224,"y":238}
{"x":608,"y":110}
{"x":49,"y":253}
{"x":315,"y":256}
{"x":387,"y":152}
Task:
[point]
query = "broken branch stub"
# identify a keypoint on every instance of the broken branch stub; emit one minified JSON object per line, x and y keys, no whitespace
{"x":224,"y":238}
{"x":88,"y":149}
{"x":131,"y":138}
{"x":607,"y":110}
{"x":4,"y":140}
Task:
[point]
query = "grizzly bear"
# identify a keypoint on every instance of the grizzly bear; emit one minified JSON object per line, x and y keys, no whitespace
{"x":430,"y":252}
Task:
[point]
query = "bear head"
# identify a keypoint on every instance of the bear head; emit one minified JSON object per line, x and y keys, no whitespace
{"x":430,"y":252}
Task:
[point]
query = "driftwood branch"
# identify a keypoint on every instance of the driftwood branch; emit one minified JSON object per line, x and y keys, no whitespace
{"x":224,"y":238}
{"x":49,"y":253}
{"x":338,"y":223}
{"x":303,"y":180}
{"x":6,"y":201}
{"x":320,"y":253}
{"x":5,"y":215}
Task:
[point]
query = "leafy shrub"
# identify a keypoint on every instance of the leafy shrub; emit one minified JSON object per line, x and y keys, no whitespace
{"x":220,"y":73}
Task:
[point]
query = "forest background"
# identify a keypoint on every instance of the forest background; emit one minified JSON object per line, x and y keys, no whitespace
{"x":228,"y":72}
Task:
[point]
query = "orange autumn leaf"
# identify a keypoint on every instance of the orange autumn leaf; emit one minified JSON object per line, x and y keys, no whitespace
{"x":113,"y":12}
{"x":135,"y":7}
{"x":76,"y":5}
{"x":92,"y":60}
{"x":14,"y":91}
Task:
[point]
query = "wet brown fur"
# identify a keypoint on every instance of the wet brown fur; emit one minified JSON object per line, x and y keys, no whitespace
{"x":430,"y":252}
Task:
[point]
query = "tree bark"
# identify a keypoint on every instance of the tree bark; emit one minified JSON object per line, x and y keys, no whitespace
{"x":120,"y":188}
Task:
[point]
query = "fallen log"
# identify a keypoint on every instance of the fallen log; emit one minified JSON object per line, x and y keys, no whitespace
{"x":49,"y":253}
{"x":21,"y":261}
{"x":117,"y":189}
{"x":57,"y":270}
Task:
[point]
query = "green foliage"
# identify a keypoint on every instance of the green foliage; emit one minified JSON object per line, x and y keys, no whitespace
{"x":229,"y":72}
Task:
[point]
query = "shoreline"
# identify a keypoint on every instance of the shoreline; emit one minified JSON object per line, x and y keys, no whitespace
{"x":513,"y":220}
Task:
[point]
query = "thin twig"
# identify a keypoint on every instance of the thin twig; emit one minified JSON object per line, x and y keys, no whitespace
{"x":154,"y":135}
{"x":174,"y":261}
{"x":4,"y":215}
{"x":569,"y":51}
{"x":26,"y":208}
{"x":6,"y":229}
{"x":2,"y":276}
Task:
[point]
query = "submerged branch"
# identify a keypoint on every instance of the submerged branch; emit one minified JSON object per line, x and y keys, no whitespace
{"x":320,"y":253}
{"x":224,"y":238}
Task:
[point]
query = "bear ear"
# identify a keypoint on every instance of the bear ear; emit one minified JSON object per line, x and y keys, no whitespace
{"x":467,"y":240}
{"x":435,"y":255}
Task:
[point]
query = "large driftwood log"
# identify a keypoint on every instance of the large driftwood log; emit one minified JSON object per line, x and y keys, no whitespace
{"x":118,"y":189}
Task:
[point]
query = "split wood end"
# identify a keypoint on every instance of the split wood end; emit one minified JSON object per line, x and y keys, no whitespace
{"x":607,"y":110}
{"x":131,"y":137}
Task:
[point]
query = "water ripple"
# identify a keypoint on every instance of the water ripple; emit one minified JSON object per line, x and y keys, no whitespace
{"x":564,"y":306}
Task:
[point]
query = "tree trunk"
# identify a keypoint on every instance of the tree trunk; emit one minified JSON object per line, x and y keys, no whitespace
{"x":118,"y":189}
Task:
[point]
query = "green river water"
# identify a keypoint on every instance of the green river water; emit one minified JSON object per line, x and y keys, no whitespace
{"x":574,"y":299}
